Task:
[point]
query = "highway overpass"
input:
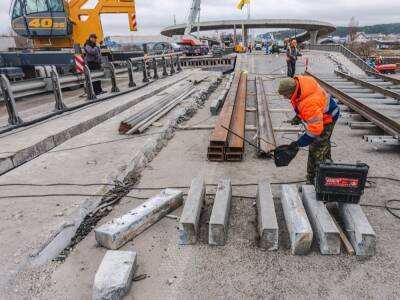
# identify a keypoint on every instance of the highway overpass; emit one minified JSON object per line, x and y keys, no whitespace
{"x":313,"y":29}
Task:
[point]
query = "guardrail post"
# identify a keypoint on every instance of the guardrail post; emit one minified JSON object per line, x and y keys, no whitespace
{"x":114,"y":88}
{"x":155,"y":76}
{"x":172,"y":65}
{"x":90,"y":94}
{"x":13,"y":117}
{"x":164,"y":64}
{"x":145,"y":74}
{"x":178,"y":63}
{"x":132,"y":82}
{"x":55,"y":81}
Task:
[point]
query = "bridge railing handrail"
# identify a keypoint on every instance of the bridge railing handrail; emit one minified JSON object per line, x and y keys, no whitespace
{"x":346,"y":52}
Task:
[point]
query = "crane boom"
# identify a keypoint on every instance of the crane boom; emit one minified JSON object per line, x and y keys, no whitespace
{"x":193,"y":15}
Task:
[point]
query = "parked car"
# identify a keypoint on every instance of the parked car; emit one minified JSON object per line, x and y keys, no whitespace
{"x":189,"y":50}
{"x":165,"y":47}
{"x":217,"y":51}
{"x":275,"y":49}
{"x":258,"y":46}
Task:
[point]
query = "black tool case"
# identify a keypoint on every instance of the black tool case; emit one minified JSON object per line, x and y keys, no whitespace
{"x":341,"y":182}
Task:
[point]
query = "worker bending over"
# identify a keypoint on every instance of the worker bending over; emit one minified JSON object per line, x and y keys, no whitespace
{"x":318,"y":111}
{"x":291,"y":58}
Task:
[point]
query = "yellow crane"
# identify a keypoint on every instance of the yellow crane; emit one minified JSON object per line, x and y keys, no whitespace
{"x":65,"y":23}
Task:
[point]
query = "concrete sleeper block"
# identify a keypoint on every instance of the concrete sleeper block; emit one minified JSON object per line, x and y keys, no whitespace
{"x":189,"y":222}
{"x":324,"y":227}
{"x":119,"y":231}
{"x":218,"y":226}
{"x":6,"y":165}
{"x":268,"y":228}
{"x":114,"y":275}
{"x":300,"y":232}
{"x":358,"y":229}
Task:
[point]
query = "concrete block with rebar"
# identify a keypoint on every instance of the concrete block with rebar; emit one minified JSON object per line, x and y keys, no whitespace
{"x":117,"y":232}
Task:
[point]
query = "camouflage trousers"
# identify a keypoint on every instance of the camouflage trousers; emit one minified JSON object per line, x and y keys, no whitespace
{"x":319,"y":151}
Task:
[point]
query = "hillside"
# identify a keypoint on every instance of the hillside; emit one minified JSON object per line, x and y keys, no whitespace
{"x":342,"y":31}
{"x":379,"y":28}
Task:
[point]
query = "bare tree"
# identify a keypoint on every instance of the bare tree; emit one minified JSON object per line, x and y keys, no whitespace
{"x":353,"y":28}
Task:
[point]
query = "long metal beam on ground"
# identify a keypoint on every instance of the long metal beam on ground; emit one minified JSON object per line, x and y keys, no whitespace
{"x":219,"y":137}
{"x":381,"y":120}
{"x":265,"y":130}
{"x":235,"y":149}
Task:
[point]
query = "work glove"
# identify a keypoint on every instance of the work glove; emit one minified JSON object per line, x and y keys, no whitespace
{"x":295,"y":121}
{"x":294,"y":146}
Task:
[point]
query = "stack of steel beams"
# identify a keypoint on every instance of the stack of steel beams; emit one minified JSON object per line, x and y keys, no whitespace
{"x":225,"y":146}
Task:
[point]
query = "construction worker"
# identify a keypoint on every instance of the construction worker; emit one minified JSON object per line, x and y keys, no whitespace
{"x":291,"y":58}
{"x":318,"y":111}
{"x":93,"y":60}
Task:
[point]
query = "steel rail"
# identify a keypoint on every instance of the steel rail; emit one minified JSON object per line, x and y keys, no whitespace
{"x":384,"y":77}
{"x":371,"y":86}
{"x":385,"y":123}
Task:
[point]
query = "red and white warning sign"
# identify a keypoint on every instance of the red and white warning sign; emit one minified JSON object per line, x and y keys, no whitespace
{"x":79,"y":63}
{"x":134,"y":22}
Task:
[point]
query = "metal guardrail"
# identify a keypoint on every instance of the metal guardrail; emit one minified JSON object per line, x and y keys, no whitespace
{"x":346,"y":52}
{"x":42,"y":85}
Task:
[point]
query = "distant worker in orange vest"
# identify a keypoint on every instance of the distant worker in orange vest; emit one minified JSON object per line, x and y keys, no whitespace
{"x":318,"y":111}
{"x":291,"y":58}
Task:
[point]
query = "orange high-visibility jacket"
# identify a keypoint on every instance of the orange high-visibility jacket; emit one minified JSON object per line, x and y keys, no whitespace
{"x":313,"y":106}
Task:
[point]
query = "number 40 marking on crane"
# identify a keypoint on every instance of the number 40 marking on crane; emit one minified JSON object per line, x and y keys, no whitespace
{"x":45,"y":23}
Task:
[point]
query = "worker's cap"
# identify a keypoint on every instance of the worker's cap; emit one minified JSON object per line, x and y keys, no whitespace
{"x":287,"y":87}
{"x":93,"y":35}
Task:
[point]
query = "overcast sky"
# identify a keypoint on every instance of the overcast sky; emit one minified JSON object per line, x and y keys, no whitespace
{"x":152,"y":15}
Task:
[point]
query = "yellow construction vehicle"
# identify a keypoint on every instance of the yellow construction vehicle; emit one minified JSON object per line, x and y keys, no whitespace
{"x":239,"y":48}
{"x":65,"y":23}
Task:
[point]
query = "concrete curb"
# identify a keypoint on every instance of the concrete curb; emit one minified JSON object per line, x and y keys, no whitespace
{"x":358,"y":229}
{"x":324,"y":227}
{"x":218,"y":227}
{"x":300,"y":232}
{"x":114,"y":275}
{"x":189,"y":222}
{"x":268,"y":228}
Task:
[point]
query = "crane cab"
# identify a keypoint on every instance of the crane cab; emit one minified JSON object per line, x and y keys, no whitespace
{"x":37,"y":19}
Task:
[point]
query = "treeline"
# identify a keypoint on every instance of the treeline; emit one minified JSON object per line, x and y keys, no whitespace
{"x":342,"y":31}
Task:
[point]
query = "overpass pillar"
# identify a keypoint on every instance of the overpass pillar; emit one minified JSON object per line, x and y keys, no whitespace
{"x":244,"y":37}
{"x":314,"y":37}
{"x":234,"y":35}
